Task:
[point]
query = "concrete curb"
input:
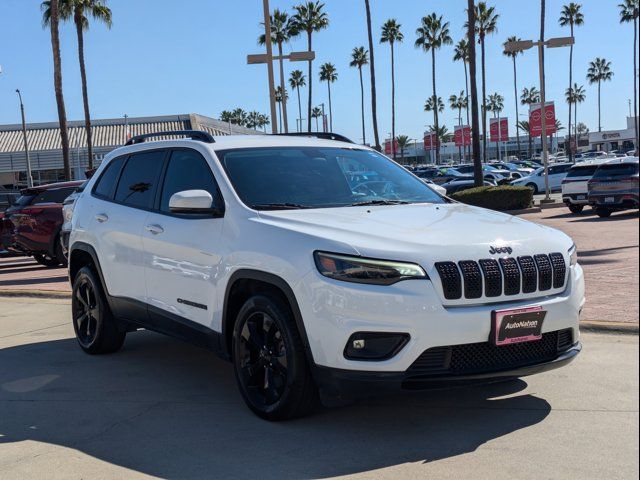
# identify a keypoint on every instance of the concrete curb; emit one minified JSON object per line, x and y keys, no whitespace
{"x":585,"y":326}
{"x":609,"y":327}
{"x":524,"y":211}
{"x":34,"y":294}
{"x":548,"y":206}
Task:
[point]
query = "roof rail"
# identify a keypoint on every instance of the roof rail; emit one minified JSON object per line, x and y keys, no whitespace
{"x":322,"y":135}
{"x":198,"y":135}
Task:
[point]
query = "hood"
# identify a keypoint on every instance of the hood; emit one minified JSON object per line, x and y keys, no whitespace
{"x":425,"y":233}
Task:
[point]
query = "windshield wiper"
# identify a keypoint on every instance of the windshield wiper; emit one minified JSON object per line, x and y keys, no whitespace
{"x":379,"y":202}
{"x":278,"y":206}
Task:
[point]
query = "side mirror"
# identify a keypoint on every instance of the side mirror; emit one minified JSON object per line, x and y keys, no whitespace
{"x":192,"y":202}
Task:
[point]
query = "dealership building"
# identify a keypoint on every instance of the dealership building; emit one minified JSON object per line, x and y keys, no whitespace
{"x":610,"y":140}
{"x":45,"y":149}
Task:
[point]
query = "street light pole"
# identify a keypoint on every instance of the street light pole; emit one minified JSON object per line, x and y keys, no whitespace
{"x":26,"y":143}
{"x":519,"y":46}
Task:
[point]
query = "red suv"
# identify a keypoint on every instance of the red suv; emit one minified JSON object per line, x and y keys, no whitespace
{"x":32,"y":226}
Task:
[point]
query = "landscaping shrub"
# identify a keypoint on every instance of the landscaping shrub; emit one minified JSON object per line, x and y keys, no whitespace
{"x":501,"y":198}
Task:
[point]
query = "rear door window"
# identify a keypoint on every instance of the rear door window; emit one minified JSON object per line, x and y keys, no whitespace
{"x":139,"y":180}
{"x":107,"y":182}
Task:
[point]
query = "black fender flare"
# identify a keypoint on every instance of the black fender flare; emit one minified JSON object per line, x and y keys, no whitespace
{"x":279,"y":283}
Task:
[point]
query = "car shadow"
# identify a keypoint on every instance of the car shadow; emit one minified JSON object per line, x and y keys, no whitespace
{"x":163,"y":408}
{"x":616,"y":217}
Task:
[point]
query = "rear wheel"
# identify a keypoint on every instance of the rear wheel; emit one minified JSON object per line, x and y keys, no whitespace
{"x":46,"y":260}
{"x":269,"y":361}
{"x":576,"y":208}
{"x":533,"y":187}
{"x":603,"y":213}
{"x":95,"y":326}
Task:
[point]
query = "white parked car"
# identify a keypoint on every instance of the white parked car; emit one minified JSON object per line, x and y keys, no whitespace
{"x":315,"y":265}
{"x":557,"y":173}
{"x":575,"y":186}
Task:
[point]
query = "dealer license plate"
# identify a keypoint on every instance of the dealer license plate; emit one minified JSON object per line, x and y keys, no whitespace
{"x":517,"y":326}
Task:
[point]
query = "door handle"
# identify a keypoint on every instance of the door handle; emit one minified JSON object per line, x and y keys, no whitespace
{"x":154,"y":229}
{"x":102,"y":217}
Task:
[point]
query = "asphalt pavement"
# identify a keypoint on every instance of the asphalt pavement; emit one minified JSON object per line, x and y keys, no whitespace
{"x":163,"y":409}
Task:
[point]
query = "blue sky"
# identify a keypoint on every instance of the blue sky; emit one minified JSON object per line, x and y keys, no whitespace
{"x":166,"y":57}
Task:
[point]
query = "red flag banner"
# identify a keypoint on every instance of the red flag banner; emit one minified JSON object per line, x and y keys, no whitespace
{"x":535,"y":119}
{"x":430,"y":141}
{"x":499,"y":133}
{"x":387,"y":147}
{"x":462,"y":135}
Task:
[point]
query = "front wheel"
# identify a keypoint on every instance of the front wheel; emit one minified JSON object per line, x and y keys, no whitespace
{"x":576,"y":208}
{"x":96,"y":328}
{"x":46,"y":261}
{"x":269,"y":360}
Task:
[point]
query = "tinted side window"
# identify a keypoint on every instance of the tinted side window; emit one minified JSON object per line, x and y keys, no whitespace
{"x":56,"y":195}
{"x":107,"y":181}
{"x":187,"y":170}
{"x":139,"y":180}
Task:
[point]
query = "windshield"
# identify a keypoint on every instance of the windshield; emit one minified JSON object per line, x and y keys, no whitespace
{"x":617,"y":170}
{"x":309,"y":177}
{"x":25,"y":200}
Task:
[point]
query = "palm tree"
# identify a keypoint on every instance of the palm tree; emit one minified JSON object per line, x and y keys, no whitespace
{"x":316,"y":113}
{"x":297,"y":80}
{"x":525,"y":127}
{"x":360,"y":58}
{"x":495,"y":104}
{"x":226,"y":116}
{"x":432,"y":34}
{"x":486,"y":24}
{"x":572,"y":16}
{"x":253,"y":119}
{"x":458,"y":102}
{"x":599,"y":71}
{"x":513,"y":56}
{"x":263,"y":121}
{"x":403,"y":142}
{"x":79,"y":10}
{"x":392,"y":34}
{"x":51,"y":18}
{"x":429,"y":105}
{"x":372,"y":69}
{"x":282,"y":30}
{"x":239,"y":117}
{"x":478,"y":175}
{"x":310,"y":17}
{"x":329,"y":74}
{"x":574,"y":96}
{"x":442,"y":134}
{"x":528,"y":97}
{"x":461,"y":54}
{"x":281,"y":98}
{"x":629,"y":12}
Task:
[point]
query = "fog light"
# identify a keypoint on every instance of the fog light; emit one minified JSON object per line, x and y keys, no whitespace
{"x":375,"y":345}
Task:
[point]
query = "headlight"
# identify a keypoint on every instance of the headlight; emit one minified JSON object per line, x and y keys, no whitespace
{"x":573,"y":255}
{"x":366,"y":270}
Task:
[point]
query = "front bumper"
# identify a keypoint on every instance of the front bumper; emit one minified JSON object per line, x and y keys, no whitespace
{"x":349,"y":382}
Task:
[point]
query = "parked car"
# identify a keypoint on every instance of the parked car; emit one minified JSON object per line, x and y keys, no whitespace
{"x":536,"y":180}
{"x":575,"y":186}
{"x":32,"y":226}
{"x":517,"y":171}
{"x":614,"y":186}
{"x":67,"y":214}
{"x":461,"y":185}
{"x":262,"y":250}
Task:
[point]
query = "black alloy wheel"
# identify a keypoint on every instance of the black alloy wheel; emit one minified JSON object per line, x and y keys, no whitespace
{"x":263,"y":357}
{"x":95,"y":327}
{"x":269,"y":360}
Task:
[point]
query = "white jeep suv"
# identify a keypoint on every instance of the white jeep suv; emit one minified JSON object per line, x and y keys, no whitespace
{"x":315,"y":265}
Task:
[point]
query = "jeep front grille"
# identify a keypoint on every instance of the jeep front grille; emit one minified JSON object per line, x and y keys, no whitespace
{"x":509,"y":276}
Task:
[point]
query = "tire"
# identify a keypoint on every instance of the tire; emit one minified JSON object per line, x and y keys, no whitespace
{"x":95,"y":326}
{"x":46,"y":261}
{"x":60,"y":256}
{"x":603,"y":213}
{"x":576,"y":208}
{"x":269,"y":361}
{"x":534,"y":187}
